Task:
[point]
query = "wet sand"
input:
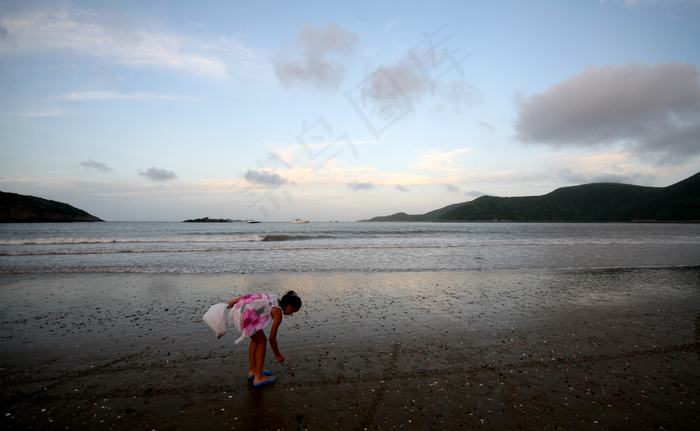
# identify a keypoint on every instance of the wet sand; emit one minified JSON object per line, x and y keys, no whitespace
{"x":537,"y":349}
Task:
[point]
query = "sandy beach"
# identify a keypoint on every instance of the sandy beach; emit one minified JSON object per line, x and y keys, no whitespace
{"x":535,"y":349}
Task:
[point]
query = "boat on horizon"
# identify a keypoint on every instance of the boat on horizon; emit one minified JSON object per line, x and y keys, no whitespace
{"x":252,"y":221}
{"x":299,"y":221}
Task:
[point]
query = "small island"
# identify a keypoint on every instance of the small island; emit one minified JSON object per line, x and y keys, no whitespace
{"x":210,"y":220}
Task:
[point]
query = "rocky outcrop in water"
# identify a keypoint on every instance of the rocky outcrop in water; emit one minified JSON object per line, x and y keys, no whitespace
{"x":209,"y":220}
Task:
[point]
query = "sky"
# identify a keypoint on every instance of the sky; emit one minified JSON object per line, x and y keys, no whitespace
{"x":340,"y":111}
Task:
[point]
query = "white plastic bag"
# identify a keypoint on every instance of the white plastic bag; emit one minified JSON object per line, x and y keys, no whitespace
{"x":216,"y":318}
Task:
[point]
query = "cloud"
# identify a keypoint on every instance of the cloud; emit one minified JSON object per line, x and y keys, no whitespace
{"x":401,"y":188}
{"x":457,"y":96}
{"x":159,"y":175}
{"x":37,"y":114}
{"x":436,"y":161}
{"x":654,"y":110}
{"x":408,"y":77}
{"x":397,"y":88}
{"x":310,"y":59}
{"x":392,"y":91}
{"x":452,"y":189}
{"x":264,"y":178}
{"x":91,"y":164}
{"x":114,"y":37}
{"x":356,"y":186}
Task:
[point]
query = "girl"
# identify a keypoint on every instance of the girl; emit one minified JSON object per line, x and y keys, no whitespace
{"x":251,"y":314}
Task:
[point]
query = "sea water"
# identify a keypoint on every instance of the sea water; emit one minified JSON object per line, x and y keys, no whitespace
{"x":172,"y":247}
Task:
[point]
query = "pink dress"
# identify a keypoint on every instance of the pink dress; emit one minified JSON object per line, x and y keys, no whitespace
{"x":252,"y":313}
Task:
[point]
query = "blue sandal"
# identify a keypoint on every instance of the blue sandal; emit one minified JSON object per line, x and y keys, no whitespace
{"x":269,"y":381}
{"x":265,"y":373}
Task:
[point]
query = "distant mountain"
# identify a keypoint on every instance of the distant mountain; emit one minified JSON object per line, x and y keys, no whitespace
{"x":597,"y":202}
{"x":16,"y":208}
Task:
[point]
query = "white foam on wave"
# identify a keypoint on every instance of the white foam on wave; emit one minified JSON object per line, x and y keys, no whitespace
{"x":83,"y":240}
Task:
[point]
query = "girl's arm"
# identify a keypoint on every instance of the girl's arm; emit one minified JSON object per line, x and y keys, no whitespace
{"x":232,"y":303}
{"x":277,"y":316}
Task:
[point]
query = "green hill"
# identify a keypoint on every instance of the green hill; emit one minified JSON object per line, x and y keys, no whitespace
{"x":598,"y":202}
{"x":16,"y":208}
{"x":430,"y":216}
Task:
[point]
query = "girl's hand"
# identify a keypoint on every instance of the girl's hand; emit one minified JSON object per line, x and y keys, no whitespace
{"x":233,"y":302}
{"x":280,"y":358}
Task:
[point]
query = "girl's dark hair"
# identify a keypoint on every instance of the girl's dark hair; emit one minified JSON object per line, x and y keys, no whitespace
{"x":290,"y":298}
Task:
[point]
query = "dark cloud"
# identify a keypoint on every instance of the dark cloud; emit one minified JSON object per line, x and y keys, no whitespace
{"x":91,"y":164}
{"x":264,"y":178}
{"x":391,"y":92}
{"x":653,"y":110}
{"x":357,"y":186}
{"x":311,"y":58}
{"x":401,"y":86}
{"x":159,"y":175}
{"x":407,"y":77}
{"x":401,"y":188}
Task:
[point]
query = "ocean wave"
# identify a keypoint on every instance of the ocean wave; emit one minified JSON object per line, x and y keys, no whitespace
{"x":81,"y":240}
{"x":285,"y":243}
{"x":174,"y":248}
{"x":89,"y":251}
{"x":145,"y":240}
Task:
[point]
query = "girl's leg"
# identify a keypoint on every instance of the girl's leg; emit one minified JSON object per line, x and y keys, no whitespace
{"x":258,"y":355}
{"x":251,"y":356}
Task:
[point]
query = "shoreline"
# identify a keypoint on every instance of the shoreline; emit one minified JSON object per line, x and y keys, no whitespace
{"x":266,"y":273}
{"x":565,"y":348}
